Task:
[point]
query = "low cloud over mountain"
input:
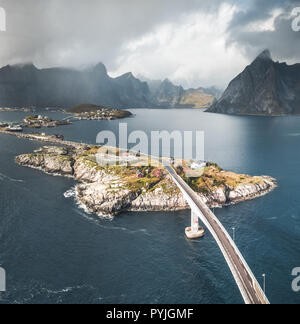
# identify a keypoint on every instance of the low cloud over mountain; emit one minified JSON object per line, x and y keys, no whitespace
{"x":192,"y":42}
{"x":26,"y":85}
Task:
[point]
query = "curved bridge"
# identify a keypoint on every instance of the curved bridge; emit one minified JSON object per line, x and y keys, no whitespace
{"x":248,"y":285}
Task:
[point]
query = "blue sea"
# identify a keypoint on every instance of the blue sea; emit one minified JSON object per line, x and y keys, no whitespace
{"x":53,"y":252}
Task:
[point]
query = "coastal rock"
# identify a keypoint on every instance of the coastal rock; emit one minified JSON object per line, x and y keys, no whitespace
{"x":88,"y":172}
{"x":250,"y":190}
{"x":217,"y":197}
{"x":101,"y":199}
{"x":54,"y":161}
{"x":160,"y":198}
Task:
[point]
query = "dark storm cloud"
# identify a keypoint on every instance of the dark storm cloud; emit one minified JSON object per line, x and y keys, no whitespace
{"x":283,"y":41}
{"x":80,"y":33}
{"x":254,"y":11}
{"x":75,"y":32}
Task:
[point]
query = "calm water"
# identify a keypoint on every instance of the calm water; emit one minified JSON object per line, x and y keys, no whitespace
{"x":55,"y":253}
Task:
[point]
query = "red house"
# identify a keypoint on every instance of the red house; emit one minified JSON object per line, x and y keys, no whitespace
{"x":156,"y":173}
{"x":139,"y":175}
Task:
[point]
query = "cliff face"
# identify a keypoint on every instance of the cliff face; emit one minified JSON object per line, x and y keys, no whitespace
{"x":264,"y":88}
{"x":108,"y":191}
{"x":23,"y":86}
{"x":50,"y":160}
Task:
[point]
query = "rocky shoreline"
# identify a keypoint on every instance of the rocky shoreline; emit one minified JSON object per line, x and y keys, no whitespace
{"x":110,"y":190}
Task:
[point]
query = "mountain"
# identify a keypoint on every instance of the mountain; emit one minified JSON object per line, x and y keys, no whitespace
{"x":197,"y":98}
{"x":25,"y":85}
{"x":265,"y":87}
{"x":216,"y":92}
{"x":169,"y":95}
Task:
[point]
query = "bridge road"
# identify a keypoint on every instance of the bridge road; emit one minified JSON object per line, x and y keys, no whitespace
{"x":247,"y":283}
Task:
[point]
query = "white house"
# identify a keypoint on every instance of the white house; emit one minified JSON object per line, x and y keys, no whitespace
{"x":196,"y":165}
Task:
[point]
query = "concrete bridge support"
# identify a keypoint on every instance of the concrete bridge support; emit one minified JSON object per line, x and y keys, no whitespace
{"x":195,"y":231}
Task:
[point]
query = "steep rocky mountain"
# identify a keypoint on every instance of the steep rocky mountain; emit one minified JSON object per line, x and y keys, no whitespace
{"x":265,"y":87}
{"x":169,"y":95}
{"x":25,"y":85}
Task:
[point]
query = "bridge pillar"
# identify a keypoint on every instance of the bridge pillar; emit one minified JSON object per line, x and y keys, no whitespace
{"x":195,"y":231}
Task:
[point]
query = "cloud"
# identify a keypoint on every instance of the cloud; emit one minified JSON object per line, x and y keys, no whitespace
{"x":191,"y":52}
{"x":192,"y":42}
{"x":76,"y":32}
{"x":266,"y":24}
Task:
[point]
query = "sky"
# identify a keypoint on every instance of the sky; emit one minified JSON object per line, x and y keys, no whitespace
{"x":192,"y":42}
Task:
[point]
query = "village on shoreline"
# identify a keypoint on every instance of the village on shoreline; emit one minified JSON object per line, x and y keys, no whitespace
{"x":77,"y":113}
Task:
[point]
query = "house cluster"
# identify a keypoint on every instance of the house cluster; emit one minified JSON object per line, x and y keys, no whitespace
{"x":155,"y":173}
{"x":38,"y":121}
{"x":197,"y":165}
{"x":100,"y":114}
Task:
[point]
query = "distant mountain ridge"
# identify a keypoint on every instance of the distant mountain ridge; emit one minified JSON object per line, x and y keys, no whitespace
{"x":265,"y":87}
{"x":27,"y":86}
{"x":169,"y":95}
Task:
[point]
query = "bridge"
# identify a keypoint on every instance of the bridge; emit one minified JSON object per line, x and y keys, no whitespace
{"x":68,"y":118}
{"x":249,"y":287}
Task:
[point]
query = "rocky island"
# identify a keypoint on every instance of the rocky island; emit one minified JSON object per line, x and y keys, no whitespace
{"x":80,"y":112}
{"x":107,"y":190}
{"x":94,"y":112}
{"x":8,"y":109}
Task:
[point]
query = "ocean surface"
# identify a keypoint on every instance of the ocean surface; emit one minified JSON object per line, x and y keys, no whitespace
{"x":54,"y":252}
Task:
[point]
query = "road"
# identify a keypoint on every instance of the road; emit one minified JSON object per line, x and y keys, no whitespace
{"x":248,"y":285}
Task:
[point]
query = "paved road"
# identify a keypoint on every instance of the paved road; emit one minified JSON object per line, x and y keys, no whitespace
{"x":250,"y":289}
